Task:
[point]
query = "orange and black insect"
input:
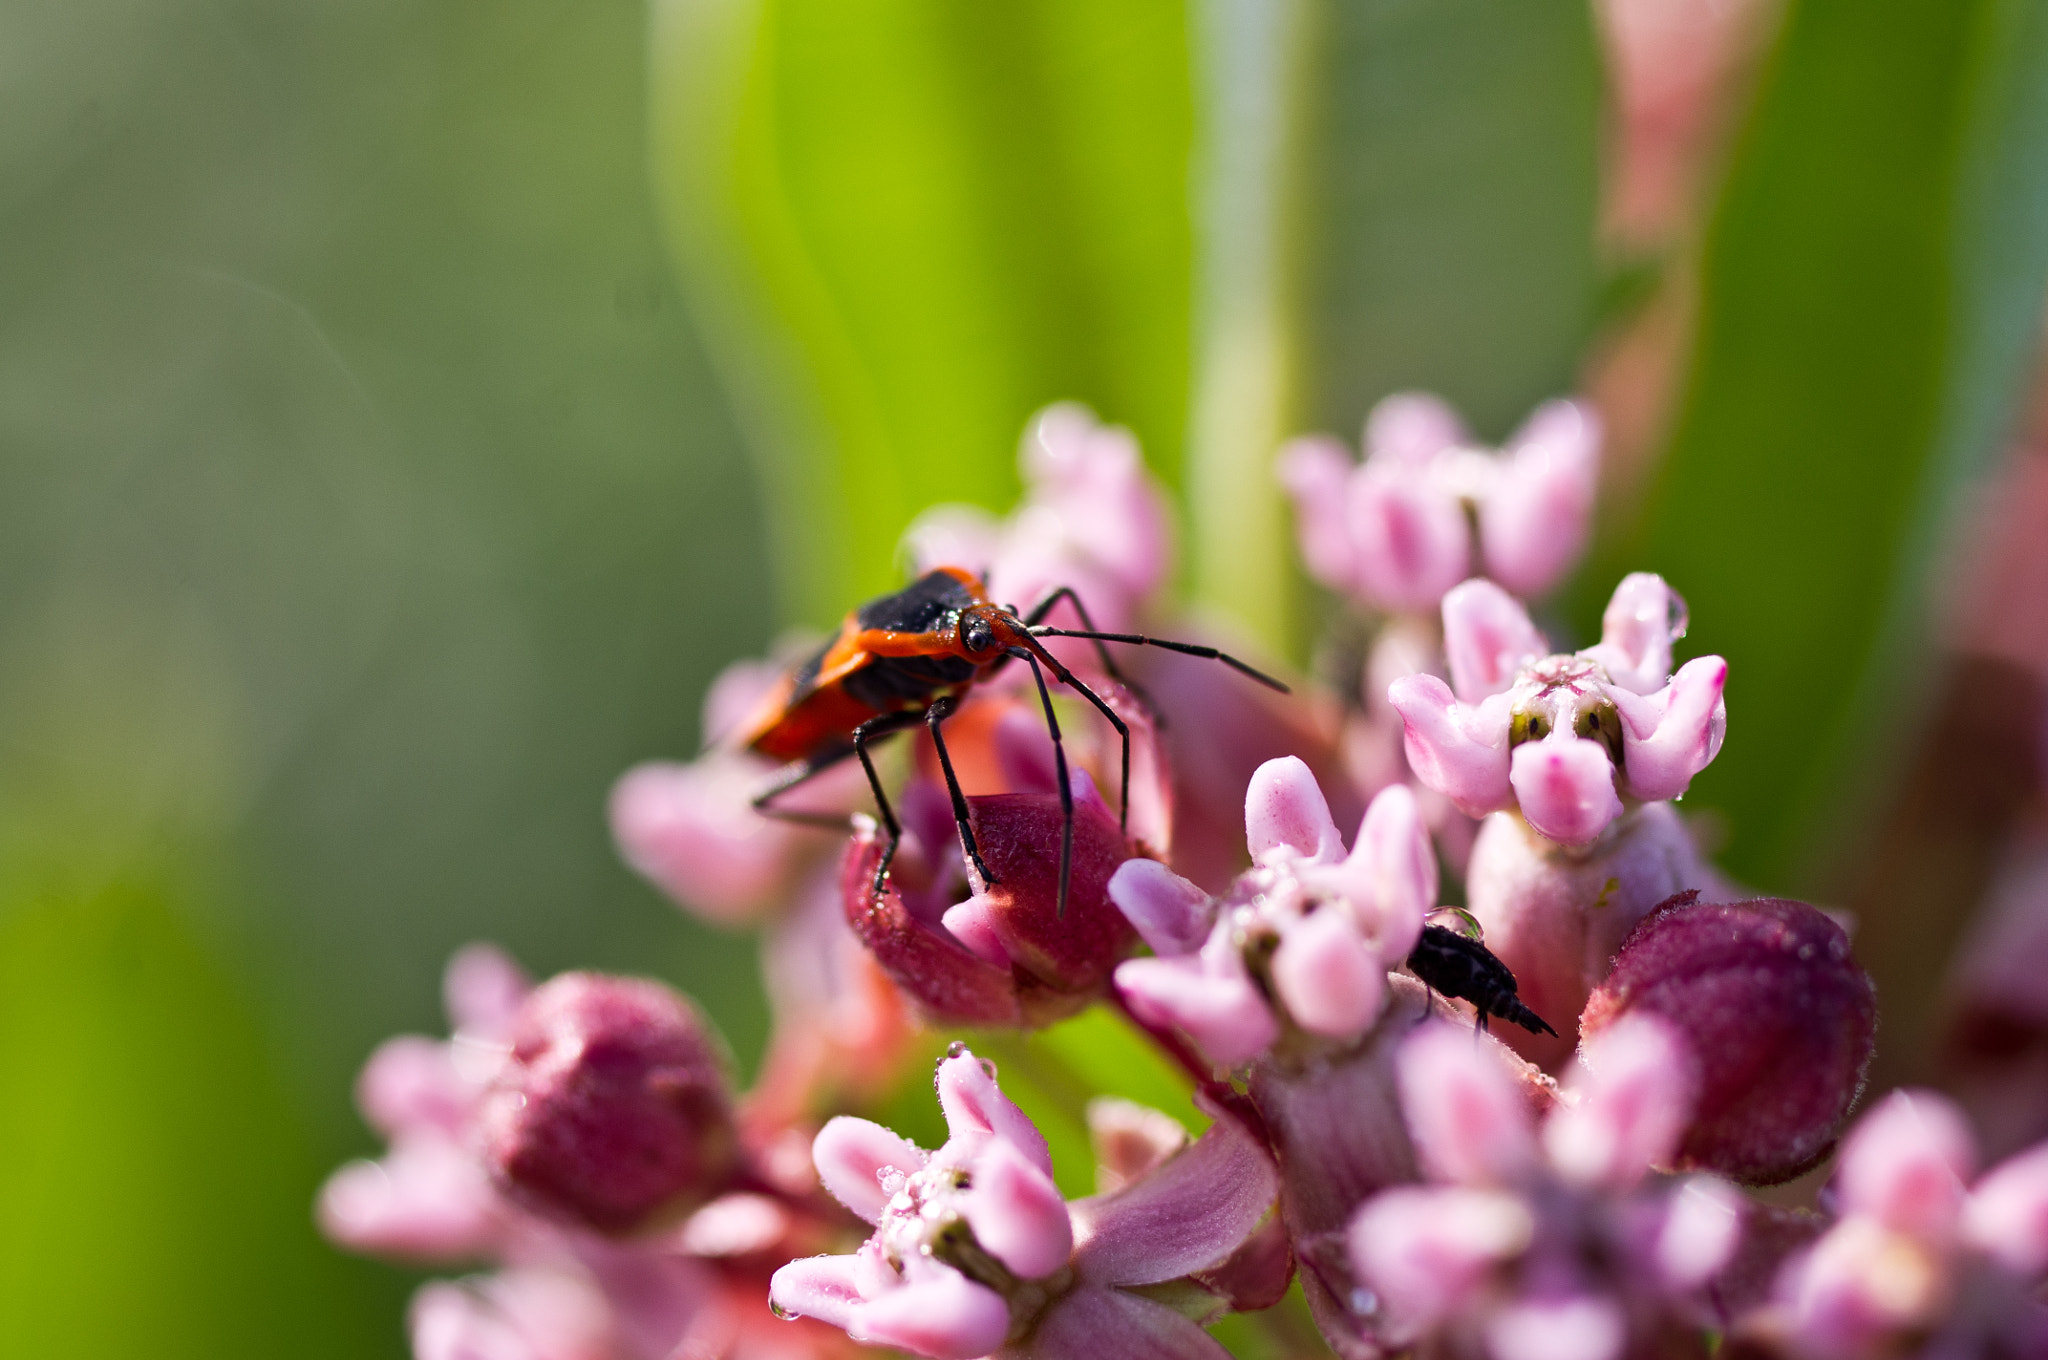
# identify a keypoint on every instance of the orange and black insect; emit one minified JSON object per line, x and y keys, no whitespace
{"x":908,"y":658}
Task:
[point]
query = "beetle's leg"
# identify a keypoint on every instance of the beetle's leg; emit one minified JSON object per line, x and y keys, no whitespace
{"x":1059,"y":756}
{"x":1044,"y":607}
{"x":1123,"y":731}
{"x":942,"y":708}
{"x":792,"y":775}
{"x":881,"y":727}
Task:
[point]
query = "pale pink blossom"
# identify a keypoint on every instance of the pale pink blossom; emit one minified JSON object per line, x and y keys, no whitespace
{"x":1558,"y":1239}
{"x":1321,"y":923}
{"x":1395,"y":531}
{"x":1563,"y":737}
{"x":976,"y":1253}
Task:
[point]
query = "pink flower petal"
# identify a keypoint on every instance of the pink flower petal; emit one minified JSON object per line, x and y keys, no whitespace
{"x":1906,"y":1163}
{"x":2006,"y":1216}
{"x":1460,"y":750}
{"x":1216,"y":1006}
{"x":692,"y":832}
{"x":974,"y":924}
{"x":1576,"y":1327}
{"x":482,"y":988}
{"x":1330,"y":982}
{"x":1673,"y":734}
{"x":1169,"y":913}
{"x":1129,"y":1140}
{"x":1017,"y":1213}
{"x":973,"y":1105}
{"x":1468,"y":1120}
{"x":1702,"y":1228}
{"x":411,"y":1085}
{"x":944,"y":1315}
{"x":1636,"y":1099}
{"x":1411,"y":427}
{"x":1315,"y":470}
{"x":1284,"y":809}
{"x":426,"y":1201}
{"x":1410,"y":540}
{"x":1092,"y":1323}
{"x":1643,"y":618}
{"x":1535,"y":519}
{"x":857,"y":1159}
{"x":1488,"y":638}
{"x":516,"y":1315}
{"x":1394,"y":856}
{"x":1190,"y":1213}
{"x":827,"y":1288}
{"x":1424,"y":1250}
{"x":1565,"y":787}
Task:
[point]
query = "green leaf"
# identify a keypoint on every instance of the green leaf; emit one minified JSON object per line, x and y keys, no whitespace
{"x":906,"y":225}
{"x":1871,"y":292}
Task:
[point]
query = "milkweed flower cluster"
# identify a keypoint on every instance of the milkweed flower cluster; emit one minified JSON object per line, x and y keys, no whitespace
{"x":1509,"y":1194}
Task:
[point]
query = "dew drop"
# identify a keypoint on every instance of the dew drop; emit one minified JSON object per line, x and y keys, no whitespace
{"x":956,"y":1048}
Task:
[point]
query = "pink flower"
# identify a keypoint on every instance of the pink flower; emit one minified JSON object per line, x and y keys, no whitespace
{"x":1563,"y":737}
{"x":1394,"y":531}
{"x":1922,"y":1261}
{"x":1092,"y":518}
{"x":1553,"y":1240}
{"x":975,"y":1252}
{"x":1302,"y":940}
{"x":1782,"y":1020}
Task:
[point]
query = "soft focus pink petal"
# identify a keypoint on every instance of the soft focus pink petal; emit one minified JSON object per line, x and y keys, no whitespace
{"x":1169,"y":913}
{"x":1860,"y":1283}
{"x":1635,"y":1100}
{"x":2006,"y":1216}
{"x":1536,"y":517}
{"x":1565,"y":788}
{"x":1093,"y":1324}
{"x":953,"y":536}
{"x":1190,"y":1213}
{"x":1092,"y":477}
{"x":1411,"y":427}
{"x":1467,"y":1117}
{"x":1643,"y":617}
{"x":692,"y":832}
{"x":1315,"y":471}
{"x":516,"y":1315}
{"x":974,"y":924}
{"x":1330,"y":982}
{"x":426,"y":1201}
{"x":1025,"y":753}
{"x":1575,"y":1327}
{"x":1702,"y":1227}
{"x":1906,"y":1163}
{"x":410,"y":1084}
{"x":482,"y":988}
{"x":1423,"y":1250}
{"x":1017,"y":1213}
{"x":1673,"y":734}
{"x":738,"y":691}
{"x":1129,"y":1140}
{"x":1395,"y":857}
{"x":944,"y":1315}
{"x":827,"y":1288}
{"x":1410,"y":540}
{"x":973,"y":1104}
{"x":1488,"y":638}
{"x":738,"y":1224}
{"x":1460,"y":750}
{"x":1284,"y":809}
{"x":855,"y":1157}
{"x":1217,"y":1007}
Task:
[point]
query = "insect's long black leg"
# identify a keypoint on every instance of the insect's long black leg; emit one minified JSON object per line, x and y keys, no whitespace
{"x":1123,"y":731}
{"x":862,"y":735}
{"x":1045,"y":607}
{"x":1059,"y":756}
{"x":1185,"y":648}
{"x":942,"y":709}
{"x":790,"y":776}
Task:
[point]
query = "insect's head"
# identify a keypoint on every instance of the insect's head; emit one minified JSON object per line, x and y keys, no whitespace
{"x":988,"y":631}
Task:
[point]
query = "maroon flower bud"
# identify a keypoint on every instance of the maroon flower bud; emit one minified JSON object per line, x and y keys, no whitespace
{"x":1777,"y":1013}
{"x":612,"y":1105}
{"x":1003,"y":956}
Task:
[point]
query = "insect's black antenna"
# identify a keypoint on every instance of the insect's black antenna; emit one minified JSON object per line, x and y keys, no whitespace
{"x":1185,"y":648}
{"x":1059,"y":755}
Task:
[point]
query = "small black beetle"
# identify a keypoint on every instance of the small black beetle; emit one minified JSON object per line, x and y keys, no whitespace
{"x":1462,"y":968}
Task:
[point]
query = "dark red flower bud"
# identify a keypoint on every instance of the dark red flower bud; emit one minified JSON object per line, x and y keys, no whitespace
{"x":1777,"y":1013}
{"x":613,"y":1104}
{"x":1004,"y":956}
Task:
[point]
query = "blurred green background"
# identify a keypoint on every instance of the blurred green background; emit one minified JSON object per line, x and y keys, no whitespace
{"x":369,"y":496}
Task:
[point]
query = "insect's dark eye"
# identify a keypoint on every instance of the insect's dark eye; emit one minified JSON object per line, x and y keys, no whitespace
{"x":977,"y":636}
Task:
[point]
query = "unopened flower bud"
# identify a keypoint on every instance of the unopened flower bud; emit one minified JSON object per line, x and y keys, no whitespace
{"x":1007,"y":955}
{"x":612,"y":1105}
{"x":1778,"y":1015}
